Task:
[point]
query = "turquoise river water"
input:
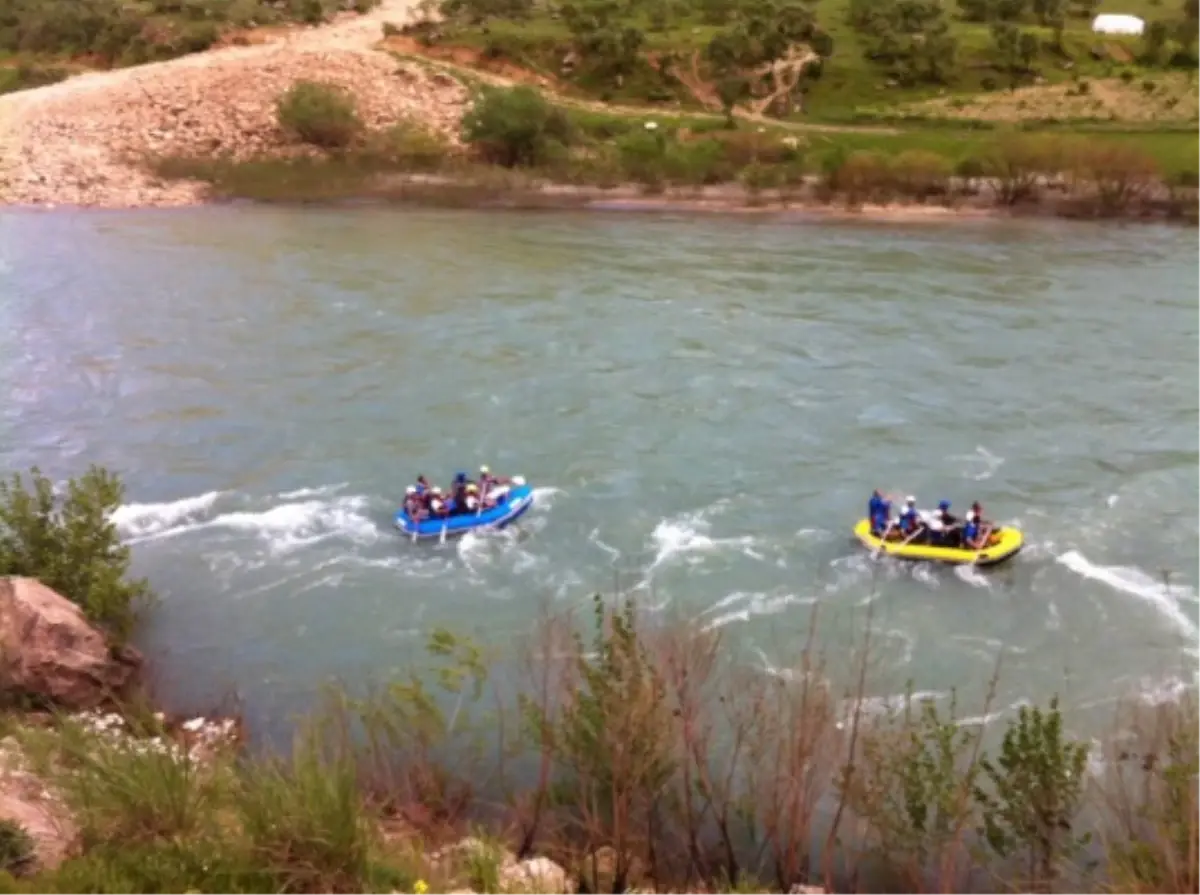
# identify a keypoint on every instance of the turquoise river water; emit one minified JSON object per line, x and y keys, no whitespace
{"x":704,"y":405}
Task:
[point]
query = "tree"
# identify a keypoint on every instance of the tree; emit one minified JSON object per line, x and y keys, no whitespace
{"x":913,"y":35}
{"x":1049,"y":12}
{"x":477,"y":12}
{"x":977,"y":10}
{"x":610,"y":51}
{"x":1016,"y":51}
{"x":514,"y":127}
{"x":70,"y":544}
{"x":765,"y":41}
{"x":1154,"y":42}
{"x":1034,"y":792}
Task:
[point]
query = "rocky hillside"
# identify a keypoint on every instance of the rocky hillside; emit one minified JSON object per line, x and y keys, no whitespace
{"x":79,"y":142}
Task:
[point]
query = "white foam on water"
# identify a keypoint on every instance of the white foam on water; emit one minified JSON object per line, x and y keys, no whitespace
{"x":1164,"y":690}
{"x":995,"y":715}
{"x":1133,"y":582}
{"x":544,"y":497}
{"x":293,"y":526}
{"x":686,"y":536}
{"x":146,"y":521}
{"x":982,"y":457}
{"x":1112,"y":500}
{"x":1054,"y":622}
{"x":320,"y":491}
{"x":612,"y":551}
{"x":873,"y":706}
{"x":755,"y":604}
{"x":972,"y":576}
{"x":907,"y":639}
{"x":925,"y":574}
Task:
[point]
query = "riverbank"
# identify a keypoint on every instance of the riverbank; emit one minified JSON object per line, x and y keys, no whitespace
{"x":420,"y":127}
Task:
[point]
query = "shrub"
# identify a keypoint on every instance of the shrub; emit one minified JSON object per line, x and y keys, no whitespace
{"x":1118,"y":174}
{"x":323,"y":115}
{"x":643,"y":157}
{"x":25,"y":77}
{"x":1016,"y":163}
{"x":698,"y":162}
{"x":304,"y":820}
{"x":16,"y":847}
{"x":123,"y":796}
{"x":411,"y":146}
{"x":514,"y":127}
{"x":920,"y":173}
{"x":1033,"y":791}
{"x":863,"y":176}
{"x":70,"y":544}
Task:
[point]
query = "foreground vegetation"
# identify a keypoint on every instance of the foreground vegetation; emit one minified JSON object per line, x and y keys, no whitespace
{"x":514,"y":142}
{"x":640,"y":758}
{"x":638,"y":755}
{"x":67,"y":540}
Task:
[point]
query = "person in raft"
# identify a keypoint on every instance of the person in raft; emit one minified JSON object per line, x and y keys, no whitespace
{"x":879,"y":512}
{"x":487,"y":482}
{"x":911,"y":524}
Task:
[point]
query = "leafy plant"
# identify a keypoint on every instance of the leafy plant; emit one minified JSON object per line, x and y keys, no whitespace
{"x":1033,"y":793}
{"x":71,"y":545}
{"x":323,"y":115}
{"x":611,"y":739}
{"x":914,"y":792}
{"x":16,"y":847}
{"x":514,"y":127}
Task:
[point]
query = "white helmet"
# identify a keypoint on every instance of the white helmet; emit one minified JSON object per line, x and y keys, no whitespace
{"x":411,"y":489}
{"x":970,"y":515}
{"x":910,"y":500}
{"x":484,"y":470}
{"x":437,"y":489}
{"x":518,"y":480}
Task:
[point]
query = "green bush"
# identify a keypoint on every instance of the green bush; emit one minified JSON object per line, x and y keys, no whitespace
{"x":16,"y":847}
{"x":320,"y":114}
{"x":25,"y":77}
{"x":515,"y":127}
{"x":410,"y":146}
{"x":70,"y":544}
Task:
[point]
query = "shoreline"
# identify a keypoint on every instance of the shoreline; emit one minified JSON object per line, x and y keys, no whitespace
{"x":714,"y":200}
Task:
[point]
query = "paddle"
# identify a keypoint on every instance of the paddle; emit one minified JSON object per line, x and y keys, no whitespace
{"x":903,"y":543}
{"x":985,"y":537}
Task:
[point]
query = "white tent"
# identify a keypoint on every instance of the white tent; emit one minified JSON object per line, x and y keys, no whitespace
{"x":1110,"y":23}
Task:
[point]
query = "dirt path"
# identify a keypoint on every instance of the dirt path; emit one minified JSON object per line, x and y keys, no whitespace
{"x":79,"y":142}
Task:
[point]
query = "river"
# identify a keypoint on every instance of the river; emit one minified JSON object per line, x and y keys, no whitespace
{"x":703,"y":403}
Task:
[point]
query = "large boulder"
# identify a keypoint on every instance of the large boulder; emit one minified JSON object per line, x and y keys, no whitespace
{"x":50,"y":651}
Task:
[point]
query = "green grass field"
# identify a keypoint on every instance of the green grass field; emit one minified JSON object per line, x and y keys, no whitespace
{"x":852,"y":87}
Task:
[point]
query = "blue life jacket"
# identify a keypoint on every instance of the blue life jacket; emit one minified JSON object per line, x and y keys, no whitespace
{"x":970,"y":531}
{"x":908,"y":521}
{"x":882,"y":513}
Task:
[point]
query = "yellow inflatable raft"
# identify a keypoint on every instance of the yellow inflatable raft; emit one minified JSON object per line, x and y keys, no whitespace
{"x":1002,"y":545}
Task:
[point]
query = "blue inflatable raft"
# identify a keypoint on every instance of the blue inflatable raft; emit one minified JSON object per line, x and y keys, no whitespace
{"x":511,"y":503}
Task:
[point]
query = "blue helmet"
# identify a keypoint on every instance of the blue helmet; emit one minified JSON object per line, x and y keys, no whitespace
{"x":460,"y":477}
{"x":943,"y":504}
